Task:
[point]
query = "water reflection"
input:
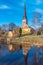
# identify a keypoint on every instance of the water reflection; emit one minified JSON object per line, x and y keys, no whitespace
{"x":12,"y":58}
{"x":34,"y":57}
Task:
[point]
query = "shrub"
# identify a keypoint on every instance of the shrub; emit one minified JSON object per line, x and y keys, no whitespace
{"x":39,"y":33}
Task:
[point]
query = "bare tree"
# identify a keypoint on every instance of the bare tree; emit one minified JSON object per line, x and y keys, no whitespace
{"x":12,"y":26}
{"x":4,"y":27}
{"x":36,"y":21}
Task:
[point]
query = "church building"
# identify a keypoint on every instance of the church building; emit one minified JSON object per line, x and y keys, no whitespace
{"x":25,"y":28}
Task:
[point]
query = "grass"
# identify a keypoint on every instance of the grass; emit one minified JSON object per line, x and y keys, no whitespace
{"x":30,"y":39}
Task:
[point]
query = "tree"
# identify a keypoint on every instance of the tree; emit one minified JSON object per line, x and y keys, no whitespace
{"x":12,"y":26}
{"x":41,"y":61}
{"x":36,"y":21}
{"x":41,"y":28}
{"x":20,"y":46}
{"x":4,"y":27}
{"x":39,"y":32}
{"x":20,"y":31}
{"x":0,"y":28}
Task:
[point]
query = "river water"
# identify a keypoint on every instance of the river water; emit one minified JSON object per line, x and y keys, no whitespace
{"x":34,"y":57}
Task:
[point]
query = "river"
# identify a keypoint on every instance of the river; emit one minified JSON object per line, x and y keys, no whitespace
{"x":34,"y":57}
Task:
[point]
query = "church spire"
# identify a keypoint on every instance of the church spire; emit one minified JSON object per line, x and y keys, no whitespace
{"x":25,"y":11}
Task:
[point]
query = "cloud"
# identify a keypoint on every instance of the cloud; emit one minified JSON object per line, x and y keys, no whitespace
{"x":38,"y":2}
{"x":39,"y":10}
{"x":4,"y":7}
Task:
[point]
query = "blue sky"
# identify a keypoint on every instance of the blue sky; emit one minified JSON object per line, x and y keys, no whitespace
{"x":13,"y":10}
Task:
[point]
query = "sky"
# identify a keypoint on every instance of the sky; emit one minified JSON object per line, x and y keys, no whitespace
{"x":13,"y":10}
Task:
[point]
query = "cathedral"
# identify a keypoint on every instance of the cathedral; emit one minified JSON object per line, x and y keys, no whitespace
{"x":25,"y":28}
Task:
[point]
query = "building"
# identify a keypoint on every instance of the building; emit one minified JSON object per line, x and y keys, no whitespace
{"x":25,"y":28}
